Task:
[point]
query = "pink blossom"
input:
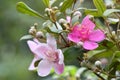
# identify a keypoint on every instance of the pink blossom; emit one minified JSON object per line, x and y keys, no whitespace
{"x":48,"y":54}
{"x":85,"y":33}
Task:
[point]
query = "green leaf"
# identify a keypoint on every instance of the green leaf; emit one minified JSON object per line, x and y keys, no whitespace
{"x":23,"y":8}
{"x":105,"y":50}
{"x":66,"y":4}
{"x":97,"y":54}
{"x":109,"y":11}
{"x":99,"y":4}
{"x":46,"y":2}
{"x":115,"y":63}
{"x":93,"y":12}
{"x":71,"y":54}
{"x":50,"y":27}
{"x":26,"y":37}
{"x":105,"y":45}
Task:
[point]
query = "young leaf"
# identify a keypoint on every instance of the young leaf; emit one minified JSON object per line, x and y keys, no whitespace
{"x":66,"y":4}
{"x":93,"y":12}
{"x":46,"y":2}
{"x":23,"y":8}
{"x":99,"y":4}
{"x":26,"y":37}
{"x":109,"y":11}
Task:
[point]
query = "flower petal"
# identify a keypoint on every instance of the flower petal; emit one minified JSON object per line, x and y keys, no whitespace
{"x":90,"y":45}
{"x":36,"y":41}
{"x":32,"y":66}
{"x":32,"y":45}
{"x":88,"y":23}
{"x":74,"y":35}
{"x":61,"y":57}
{"x":44,"y":68}
{"x":97,"y":36}
{"x":59,"y":68}
{"x":41,"y":50}
{"x":51,"y":41}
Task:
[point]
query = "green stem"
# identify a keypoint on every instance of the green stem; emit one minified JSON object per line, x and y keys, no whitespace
{"x":61,"y":35}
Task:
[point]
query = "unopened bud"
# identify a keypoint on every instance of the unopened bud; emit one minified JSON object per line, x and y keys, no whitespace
{"x":61,"y":4}
{"x":109,"y":3}
{"x":32,"y":31}
{"x":39,"y":34}
{"x":35,"y":24}
{"x":98,"y":64}
{"x":62,"y":21}
{"x":46,"y":9}
{"x":104,"y":62}
{"x":55,"y":8}
{"x":79,"y":44}
{"x":77,"y":13}
{"x":33,"y":27}
{"x":114,"y":34}
{"x":58,"y":13}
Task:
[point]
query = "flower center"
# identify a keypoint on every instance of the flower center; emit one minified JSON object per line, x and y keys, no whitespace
{"x":52,"y":56}
{"x":84,"y":33}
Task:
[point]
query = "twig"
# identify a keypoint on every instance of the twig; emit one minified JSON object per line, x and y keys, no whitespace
{"x":61,"y":35}
{"x":96,"y":74}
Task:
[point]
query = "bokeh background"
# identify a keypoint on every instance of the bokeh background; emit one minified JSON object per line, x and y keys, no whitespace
{"x":15,"y":56}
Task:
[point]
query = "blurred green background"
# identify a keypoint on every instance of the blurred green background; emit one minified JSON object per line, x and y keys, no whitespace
{"x":15,"y":57}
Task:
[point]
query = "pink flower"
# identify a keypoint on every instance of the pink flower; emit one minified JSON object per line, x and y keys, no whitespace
{"x":85,"y":33}
{"x":49,"y":56}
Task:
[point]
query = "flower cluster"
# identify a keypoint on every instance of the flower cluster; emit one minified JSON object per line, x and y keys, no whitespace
{"x":50,"y":57}
{"x":98,"y":42}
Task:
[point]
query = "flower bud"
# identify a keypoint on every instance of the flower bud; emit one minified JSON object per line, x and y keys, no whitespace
{"x":61,"y":4}
{"x":77,"y":13}
{"x":33,"y":27}
{"x":35,"y":24}
{"x":32,"y":31}
{"x":104,"y":62}
{"x":55,"y":8}
{"x":113,"y":33}
{"x":79,"y":44}
{"x":39,"y":34}
{"x":58,"y":13}
{"x":62,"y":21}
{"x":98,"y":64}
{"x":47,"y":9}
